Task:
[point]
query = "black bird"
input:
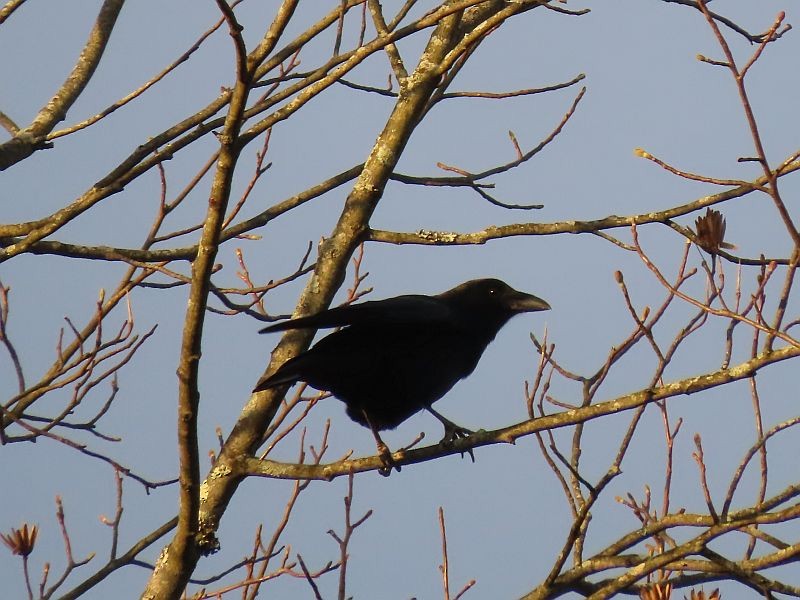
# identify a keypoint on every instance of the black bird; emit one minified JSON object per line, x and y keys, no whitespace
{"x":395,"y":357}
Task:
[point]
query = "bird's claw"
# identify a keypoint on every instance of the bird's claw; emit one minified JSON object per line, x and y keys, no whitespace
{"x":388,"y":461}
{"x":453,"y":433}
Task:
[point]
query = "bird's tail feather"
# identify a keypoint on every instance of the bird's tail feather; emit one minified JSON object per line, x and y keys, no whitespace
{"x":282,"y":376}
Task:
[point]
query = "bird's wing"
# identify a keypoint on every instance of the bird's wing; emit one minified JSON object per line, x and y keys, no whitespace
{"x":411,"y":309}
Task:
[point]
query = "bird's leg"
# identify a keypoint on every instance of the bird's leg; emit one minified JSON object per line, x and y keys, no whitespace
{"x":383,"y":450}
{"x":452,"y":432}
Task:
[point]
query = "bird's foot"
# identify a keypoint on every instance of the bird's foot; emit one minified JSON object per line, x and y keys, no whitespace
{"x":453,"y":433}
{"x":388,"y":461}
{"x":383,"y":450}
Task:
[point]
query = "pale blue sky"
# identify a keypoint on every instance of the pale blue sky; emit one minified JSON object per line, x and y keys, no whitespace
{"x":506,"y":516}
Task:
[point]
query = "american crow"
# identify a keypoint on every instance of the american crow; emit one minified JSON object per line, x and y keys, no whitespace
{"x":395,"y":357}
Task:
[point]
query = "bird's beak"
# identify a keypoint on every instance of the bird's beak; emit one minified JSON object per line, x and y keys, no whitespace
{"x":521,"y":302}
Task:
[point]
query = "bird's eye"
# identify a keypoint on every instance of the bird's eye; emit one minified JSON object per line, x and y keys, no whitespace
{"x":492,"y":291}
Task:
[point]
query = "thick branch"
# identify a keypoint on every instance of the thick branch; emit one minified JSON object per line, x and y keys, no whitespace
{"x":174,"y":567}
{"x":331,"y":264}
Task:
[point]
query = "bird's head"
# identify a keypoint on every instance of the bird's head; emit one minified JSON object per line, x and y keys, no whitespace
{"x":493,"y":296}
